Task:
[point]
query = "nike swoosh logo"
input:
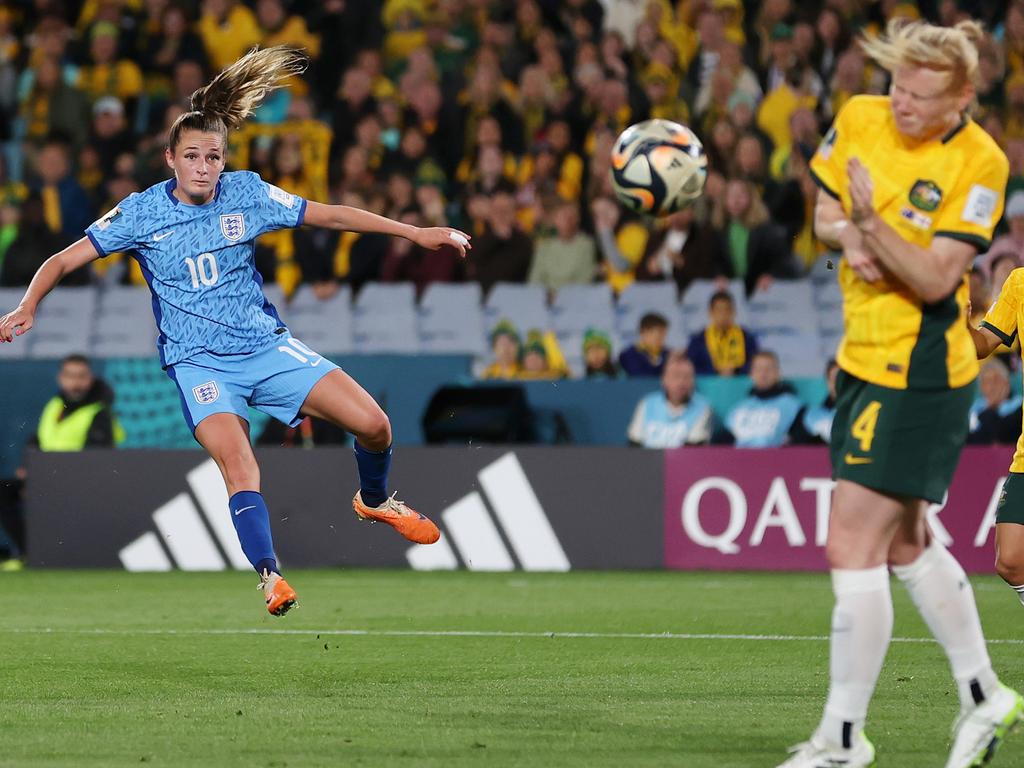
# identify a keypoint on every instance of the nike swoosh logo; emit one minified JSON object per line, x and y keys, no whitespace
{"x":851,"y":459}
{"x":314,"y":365}
{"x":158,"y":238}
{"x":240,"y":511}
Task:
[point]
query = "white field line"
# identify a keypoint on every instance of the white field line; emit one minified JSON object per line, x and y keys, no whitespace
{"x":468,"y":633}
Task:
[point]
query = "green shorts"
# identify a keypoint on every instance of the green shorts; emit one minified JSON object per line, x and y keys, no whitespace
{"x":1011,"y":501}
{"x":900,"y":442}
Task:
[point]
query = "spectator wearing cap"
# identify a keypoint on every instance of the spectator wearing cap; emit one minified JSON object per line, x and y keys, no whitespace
{"x":677,"y":414}
{"x":505,"y":347}
{"x":110,"y":135}
{"x":538,"y":363}
{"x":1012,"y":243}
{"x":106,"y":74}
{"x":647,"y":356}
{"x":568,"y":257}
{"x":661,"y":86}
{"x":787,"y":89}
{"x":597,"y":356}
{"x":723,"y":348}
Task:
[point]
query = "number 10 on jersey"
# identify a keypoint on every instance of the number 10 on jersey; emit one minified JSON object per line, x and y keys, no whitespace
{"x":203,"y":269}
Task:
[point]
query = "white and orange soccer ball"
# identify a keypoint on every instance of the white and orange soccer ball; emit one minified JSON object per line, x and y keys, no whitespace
{"x":658,"y":167}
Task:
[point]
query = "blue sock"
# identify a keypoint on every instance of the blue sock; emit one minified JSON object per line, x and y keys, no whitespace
{"x":252,"y":523}
{"x":373,"y":474}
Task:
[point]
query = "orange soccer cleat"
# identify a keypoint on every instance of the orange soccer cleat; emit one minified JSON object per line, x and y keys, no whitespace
{"x":400,"y":516}
{"x":280,"y":597}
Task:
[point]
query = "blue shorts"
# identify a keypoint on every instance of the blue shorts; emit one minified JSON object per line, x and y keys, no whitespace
{"x":275,"y":380}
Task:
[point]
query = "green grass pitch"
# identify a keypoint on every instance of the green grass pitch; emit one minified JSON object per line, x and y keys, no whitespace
{"x":114,"y":669}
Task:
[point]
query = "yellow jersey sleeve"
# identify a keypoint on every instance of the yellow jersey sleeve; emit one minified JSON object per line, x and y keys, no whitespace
{"x":975,"y":205}
{"x":1001,"y":317}
{"x":828,"y":166}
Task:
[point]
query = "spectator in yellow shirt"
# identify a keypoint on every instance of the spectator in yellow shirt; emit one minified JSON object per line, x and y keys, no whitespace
{"x":228,"y":29}
{"x":107,"y":75}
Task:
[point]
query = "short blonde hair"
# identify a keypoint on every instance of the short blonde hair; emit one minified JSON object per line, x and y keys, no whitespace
{"x":919,"y":44}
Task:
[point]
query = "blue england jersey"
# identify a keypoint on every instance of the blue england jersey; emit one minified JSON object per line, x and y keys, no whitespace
{"x":198,"y":261}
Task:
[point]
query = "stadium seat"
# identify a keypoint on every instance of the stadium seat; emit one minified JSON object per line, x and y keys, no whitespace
{"x":640,"y":298}
{"x":525,"y":306}
{"x":787,"y":304}
{"x":451,"y":319}
{"x":323,"y":325}
{"x":125,"y":326}
{"x":384,"y":319}
{"x":64,"y":323}
{"x":694,"y":302}
{"x":799,"y":350}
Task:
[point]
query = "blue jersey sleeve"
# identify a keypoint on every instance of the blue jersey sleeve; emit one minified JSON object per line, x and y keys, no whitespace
{"x":272,"y":208}
{"x":115,"y":230}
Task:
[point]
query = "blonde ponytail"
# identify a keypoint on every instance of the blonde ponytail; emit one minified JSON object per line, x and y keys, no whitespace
{"x":919,"y":44}
{"x":234,"y":94}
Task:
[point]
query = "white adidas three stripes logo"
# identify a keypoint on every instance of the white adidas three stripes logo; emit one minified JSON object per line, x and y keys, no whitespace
{"x":475,"y":534}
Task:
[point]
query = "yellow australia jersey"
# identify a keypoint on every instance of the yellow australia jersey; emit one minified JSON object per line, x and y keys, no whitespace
{"x":1004,"y":319}
{"x":950,"y":187}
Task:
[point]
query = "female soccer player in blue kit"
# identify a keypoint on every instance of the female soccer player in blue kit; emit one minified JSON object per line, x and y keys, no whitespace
{"x":221,"y":341}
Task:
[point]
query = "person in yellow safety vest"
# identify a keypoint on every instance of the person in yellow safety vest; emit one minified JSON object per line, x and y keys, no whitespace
{"x":81,"y":415}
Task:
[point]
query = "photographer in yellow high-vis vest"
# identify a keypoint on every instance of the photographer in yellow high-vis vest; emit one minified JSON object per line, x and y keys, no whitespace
{"x":81,"y":414}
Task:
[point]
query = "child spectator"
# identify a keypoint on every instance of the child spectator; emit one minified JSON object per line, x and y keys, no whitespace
{"x":723,"y":348}
{"x":647,"y":356}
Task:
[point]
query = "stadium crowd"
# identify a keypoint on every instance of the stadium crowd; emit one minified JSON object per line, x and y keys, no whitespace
{"x":495,"y":117}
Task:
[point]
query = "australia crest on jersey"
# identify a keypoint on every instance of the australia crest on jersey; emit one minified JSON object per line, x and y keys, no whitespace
{"x":925,"y":195}
{"x":233,"y":226}
{"x":206,"y":393}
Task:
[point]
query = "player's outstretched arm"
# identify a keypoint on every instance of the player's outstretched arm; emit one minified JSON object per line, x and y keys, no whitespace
{"x":985,"y":342}
{"x":20,"y":320}
{"x":932,"y":273}
{"x":357,"y":220}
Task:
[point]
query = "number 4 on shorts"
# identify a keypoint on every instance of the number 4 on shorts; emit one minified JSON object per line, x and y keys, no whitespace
{"x":864,"y":426}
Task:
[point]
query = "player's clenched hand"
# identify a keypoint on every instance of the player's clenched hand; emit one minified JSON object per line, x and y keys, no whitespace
{"x":14,"y":324}
{"x":862,"y":192}
{"x":434,"y":237}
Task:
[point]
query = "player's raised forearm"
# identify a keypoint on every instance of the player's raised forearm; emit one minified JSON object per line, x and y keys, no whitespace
{"x":357,"y":220}
{"x":829,"y":220}
{"x":931,"y":273}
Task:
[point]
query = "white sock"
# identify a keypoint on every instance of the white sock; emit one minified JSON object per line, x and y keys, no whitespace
{"x":1020,"y":592}
{"x":943,"y":595}
{"x":861,"y":629}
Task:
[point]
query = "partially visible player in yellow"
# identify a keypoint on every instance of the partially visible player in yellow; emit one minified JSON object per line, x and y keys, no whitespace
{"x":910,"y":190}
{"x":1001,"y":326}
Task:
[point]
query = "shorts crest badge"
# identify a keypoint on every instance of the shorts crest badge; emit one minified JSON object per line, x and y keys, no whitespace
{"x":233,"y":226}
{"x":206,"y":393}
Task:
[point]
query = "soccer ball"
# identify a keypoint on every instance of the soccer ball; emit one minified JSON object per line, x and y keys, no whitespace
{"x":658,"y":167}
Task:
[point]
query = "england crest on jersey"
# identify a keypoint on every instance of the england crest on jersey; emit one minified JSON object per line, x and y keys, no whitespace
{"x":206,"y":393}
{"x":233,"y":226}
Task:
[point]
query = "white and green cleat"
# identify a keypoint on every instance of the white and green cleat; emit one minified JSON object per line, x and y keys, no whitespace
{"x":978,"y":732}
{"x":817,"y":753}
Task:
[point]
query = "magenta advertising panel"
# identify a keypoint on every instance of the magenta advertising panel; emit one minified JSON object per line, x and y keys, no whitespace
{"x":730,"y":509}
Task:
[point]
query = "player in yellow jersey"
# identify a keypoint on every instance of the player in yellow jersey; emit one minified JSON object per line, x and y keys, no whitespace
{"x":1001,"y":325}
{"x":910,"y":190}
